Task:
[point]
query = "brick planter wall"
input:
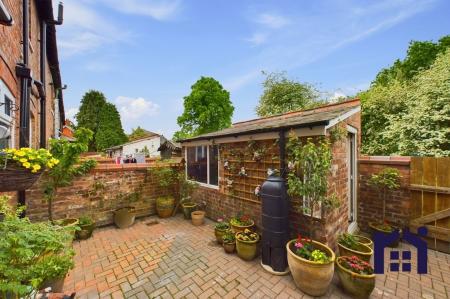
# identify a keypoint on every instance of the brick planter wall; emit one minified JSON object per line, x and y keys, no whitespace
{"x":370,"y":207}
{"x":99,"y":193}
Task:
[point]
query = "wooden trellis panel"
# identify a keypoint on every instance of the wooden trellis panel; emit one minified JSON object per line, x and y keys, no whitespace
{"x":430,"y":192}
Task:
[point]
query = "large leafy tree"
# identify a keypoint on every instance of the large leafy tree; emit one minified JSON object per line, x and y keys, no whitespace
{"x":282,"y":95}
{"x":110,"y":131}
{"x":420,"y":56}
{"x":96,"y":114}
{"x":208,"y":108}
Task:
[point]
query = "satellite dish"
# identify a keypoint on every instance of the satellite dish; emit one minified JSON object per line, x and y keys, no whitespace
{"x":4,"y":132}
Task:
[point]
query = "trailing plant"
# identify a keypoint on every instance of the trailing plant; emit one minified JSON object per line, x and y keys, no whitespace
{"x":69,"y":166}
{"x":310,"y":164}
{"x":229,"y":237}
{"x":241,"y":220}
{"x":385,"y":181}
{"x":337,"y":133}
{"x":30,"y":253}
{"x":304,"y":248}
{"x":247,"y":236}
{"x":349,"y":241}
{"x":29,"y":158}
{"x":356,"y":265}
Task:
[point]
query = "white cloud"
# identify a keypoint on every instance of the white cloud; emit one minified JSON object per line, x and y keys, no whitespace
{"x":157,"y":9}
{"x":71,"y":112}
{"x":257,"y":38}
{"x":237,"y":82}
{"x":272,"y":20}
{"x":135,"y":108}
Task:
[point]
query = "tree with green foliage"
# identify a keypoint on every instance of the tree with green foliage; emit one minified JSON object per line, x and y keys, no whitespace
{"x":282,"y":95}
{"x":207,"y":109}
{"x":420,"y":56}
{"x":69,"y":166}
{"x":138,"y":133}
{"x":110,"y":131}
{"x":96,"y":114}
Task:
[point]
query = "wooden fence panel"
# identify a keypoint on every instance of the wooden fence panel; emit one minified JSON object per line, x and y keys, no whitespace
{"x":430,"y":187}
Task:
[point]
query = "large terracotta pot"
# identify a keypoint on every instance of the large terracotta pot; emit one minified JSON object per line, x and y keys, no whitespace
{"x":198,"y":217}
{"x":310,"y":277}
{"x":229,"y":247}
{"x":239,"y":228}
{"x":165,"y":206}
{"x":373,"y":226}
{"x":357,"y":285}
{"x":364,"y":240}
{"x":188,"y":208}
{"x":124,"y":217}
{"x":364,"y":252}
{"x":247,"y":250}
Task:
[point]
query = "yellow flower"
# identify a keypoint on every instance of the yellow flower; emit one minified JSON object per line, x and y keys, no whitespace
{"x":49,"y":164}
{"x":26,"y":165}
{"x":23,"y":160}
{"x":20,"y":153}
{"x":54,"y":161}
{"x":36,"y":167}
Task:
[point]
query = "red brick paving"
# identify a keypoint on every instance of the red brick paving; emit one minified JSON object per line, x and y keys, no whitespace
{"x":175,"y":259}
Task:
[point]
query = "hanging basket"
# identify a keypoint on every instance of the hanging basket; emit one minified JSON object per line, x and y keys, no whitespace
{"x":16,"y":178}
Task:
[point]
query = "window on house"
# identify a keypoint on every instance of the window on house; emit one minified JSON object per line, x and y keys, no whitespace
{"x":6,"y":121}
{"x":202,"y":164}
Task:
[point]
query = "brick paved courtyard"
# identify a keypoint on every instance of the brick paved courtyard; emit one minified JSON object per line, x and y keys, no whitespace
{"x":174,"y":259}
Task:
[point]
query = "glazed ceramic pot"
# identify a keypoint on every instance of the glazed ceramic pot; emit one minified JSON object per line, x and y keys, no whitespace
{"x":241,"y":228}
{"x":188,"y":208}
{"x":165,"y":206}
{"x":310,"y":277}
{"x":69,"y":223}
{"x":247,"y":250}
{"x":198,"y":217}
{"x":124,"y":217}
{"x":362,"y":251}
{"x":85,"y":231}
{"x":229,"y":247}
{"x":364,"y":240}
{"x":375,"y":228}
{"x":219,"y":234}
{"x":357,"y":285}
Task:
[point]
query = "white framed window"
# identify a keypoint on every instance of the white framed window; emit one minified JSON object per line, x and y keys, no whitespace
{"x":6,"y":117}
{"x":202,"y":165}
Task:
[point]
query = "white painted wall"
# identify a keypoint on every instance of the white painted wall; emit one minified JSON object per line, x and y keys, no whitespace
{"x":152,"y":145}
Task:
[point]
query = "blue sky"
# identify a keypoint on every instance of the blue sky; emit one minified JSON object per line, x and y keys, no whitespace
{"x":144,"y":55}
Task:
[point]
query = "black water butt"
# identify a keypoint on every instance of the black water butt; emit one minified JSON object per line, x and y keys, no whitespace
{"x":275,"y":225}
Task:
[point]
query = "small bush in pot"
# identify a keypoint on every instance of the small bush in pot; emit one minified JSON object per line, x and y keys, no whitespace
{"x":241,"y":222}
{"x":247,"y":244}
{"x":229,"y":241}
{"x":385,"y":181}
{"x":87,"y":226}
{"x":220,"y":229}
{"x":349,"y":246}
{"x":166,"y":178}
{"x":356,"y":276}
{"x":186,"y":189}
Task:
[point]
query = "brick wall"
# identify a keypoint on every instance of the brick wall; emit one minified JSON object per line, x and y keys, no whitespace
{"x":99,"y":193}
{"x":370,"y":206}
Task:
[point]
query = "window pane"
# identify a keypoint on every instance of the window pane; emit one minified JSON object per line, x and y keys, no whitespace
{"x":197,"y":163}
{"x":7,"y":106}
{"x":4,"y":138}
{"x":213,"y":165}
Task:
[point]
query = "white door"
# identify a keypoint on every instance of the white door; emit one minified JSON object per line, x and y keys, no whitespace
{"x":351,"y":162}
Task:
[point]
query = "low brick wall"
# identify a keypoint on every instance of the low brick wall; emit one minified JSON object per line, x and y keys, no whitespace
{"x":370,"y":207}
{"x":105,"y":189}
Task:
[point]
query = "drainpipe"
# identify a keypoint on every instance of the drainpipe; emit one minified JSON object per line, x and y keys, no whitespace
{"x":43,"y":106}
{"x":282,"y":148}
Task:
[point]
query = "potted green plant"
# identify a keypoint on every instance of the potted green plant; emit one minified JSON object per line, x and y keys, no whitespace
{"x":166,"y":178}
{"x":86,"y":225}
{"x":69,"y":166}
{"x":364,"y":240}
{"x":356,"y":276}
{"x":247,"y":244}
{"x":20,"y":168}
{"x":241,"y":222}
{"x":349,"y":246}
{"x":310,"y":262}
{"x":186,"y":189}
{"x":229,"y":241}
{"x":220,"y":229}
{"x":33,"y":255}
{"x":385,"y":181}
{"x":198,"y":217}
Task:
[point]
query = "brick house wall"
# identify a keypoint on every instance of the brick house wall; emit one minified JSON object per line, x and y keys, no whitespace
{"x":398,"y":207}
{"x":100,"y":192}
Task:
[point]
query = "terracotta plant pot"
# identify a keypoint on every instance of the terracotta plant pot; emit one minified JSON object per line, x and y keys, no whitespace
{"x":247,"y":250}
{"x":357,"y":285}
{"x":198,"y":217}
{"x":364,"y":240}
{"x":374,"y":227}
{"x":165,"y":206}
{"x":229,"y":247}
{"x":188,"y":208}
{"x":85,"y":231}
{"x":124,"y":217}
{"x":310,"y":277}
{"x":239,"y":228}
{"x":364,"y":252}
